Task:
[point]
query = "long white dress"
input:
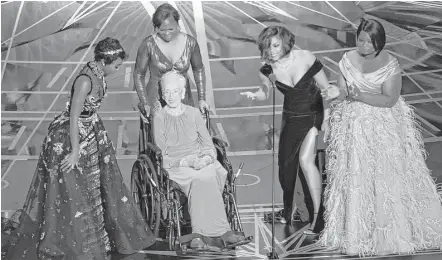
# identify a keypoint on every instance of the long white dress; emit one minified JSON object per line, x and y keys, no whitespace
{"x":380,"y":197}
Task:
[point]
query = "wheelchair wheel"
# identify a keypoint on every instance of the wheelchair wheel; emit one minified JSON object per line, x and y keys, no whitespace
{"x":173,"y":229}
{"x":172,"y":236}
{"x":144,"y":193}
{"x":229,"y":195}
{"x":221,"y":155}
{"x":231,"y":211}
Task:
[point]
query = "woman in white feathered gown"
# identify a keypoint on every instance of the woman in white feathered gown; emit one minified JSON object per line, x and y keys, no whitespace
{"x":380,"y":197}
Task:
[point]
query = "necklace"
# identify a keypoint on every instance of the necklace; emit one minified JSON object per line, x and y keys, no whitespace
{"x":285,"y":63}
{"x":176,"y":111}
{"x":100,"y":74}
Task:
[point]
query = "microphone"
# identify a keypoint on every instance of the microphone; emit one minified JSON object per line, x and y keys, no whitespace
{"x":267,"y":71}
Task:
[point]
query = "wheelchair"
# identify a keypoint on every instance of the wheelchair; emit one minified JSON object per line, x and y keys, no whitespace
{"x":161,"y":201}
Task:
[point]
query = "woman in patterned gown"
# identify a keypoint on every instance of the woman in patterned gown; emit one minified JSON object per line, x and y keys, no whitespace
{"x":78,"y":206}
{"x":380,"y":197}
{"x":168,"y":49}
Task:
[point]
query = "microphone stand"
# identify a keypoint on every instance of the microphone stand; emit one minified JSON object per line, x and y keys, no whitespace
{"x":272,"y":254}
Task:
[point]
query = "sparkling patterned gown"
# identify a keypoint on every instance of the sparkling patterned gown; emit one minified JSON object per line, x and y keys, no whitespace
{"x":380,"y":197}
{"x":84,"y":213}
{"x":160,"y":64}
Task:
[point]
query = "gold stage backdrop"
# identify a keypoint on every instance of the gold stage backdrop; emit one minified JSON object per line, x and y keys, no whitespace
{"x":45,"y":43}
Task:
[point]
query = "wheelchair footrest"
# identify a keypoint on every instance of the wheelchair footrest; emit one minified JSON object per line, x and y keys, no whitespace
{"x":213,"y":245}
{"x":240,"y":243}
{"x":184,"y":250}
{"x":189,"y":237}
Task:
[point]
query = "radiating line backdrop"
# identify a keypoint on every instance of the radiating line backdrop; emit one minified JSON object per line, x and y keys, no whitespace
{"x":44,"y":43}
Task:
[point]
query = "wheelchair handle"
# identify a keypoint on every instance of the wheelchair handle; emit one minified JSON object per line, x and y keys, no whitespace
{"x":207,"y":115}
{"x":239,"y":171}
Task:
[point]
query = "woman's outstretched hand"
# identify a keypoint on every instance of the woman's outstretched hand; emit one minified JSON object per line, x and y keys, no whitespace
{"x":331,"y":92}
{"x":249,"y":95}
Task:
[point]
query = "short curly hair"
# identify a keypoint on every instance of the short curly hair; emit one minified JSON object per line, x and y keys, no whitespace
{"x":265,"y":37}
{"x":163,"y":12}
{"x":109,"y":50}
{"x":175,"y":75}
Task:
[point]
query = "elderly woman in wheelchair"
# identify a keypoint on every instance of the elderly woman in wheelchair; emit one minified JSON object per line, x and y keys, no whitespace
{"x":190,"y":158}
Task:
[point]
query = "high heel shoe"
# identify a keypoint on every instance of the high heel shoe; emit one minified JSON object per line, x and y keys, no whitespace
{"x":310,"y":232}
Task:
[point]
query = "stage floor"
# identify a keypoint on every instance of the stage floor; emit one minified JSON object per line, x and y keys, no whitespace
{"x":290,"y":243}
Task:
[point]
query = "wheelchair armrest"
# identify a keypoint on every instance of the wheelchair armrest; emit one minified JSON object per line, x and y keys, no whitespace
{"x":154,"y":148}
{"x":220,"y":141}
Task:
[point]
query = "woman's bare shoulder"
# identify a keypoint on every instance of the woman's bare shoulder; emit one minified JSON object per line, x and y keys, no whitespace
{"x":386,"y":57}
{"x":83,"y":84}
{"x":304,"y":57}
{"x":83,"y":80}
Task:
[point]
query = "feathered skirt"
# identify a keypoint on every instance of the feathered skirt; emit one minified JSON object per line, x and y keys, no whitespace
{"x":380,"y":197}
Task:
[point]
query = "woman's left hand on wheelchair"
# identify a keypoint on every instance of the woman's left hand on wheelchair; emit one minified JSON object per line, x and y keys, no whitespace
{"x":203,"y":106}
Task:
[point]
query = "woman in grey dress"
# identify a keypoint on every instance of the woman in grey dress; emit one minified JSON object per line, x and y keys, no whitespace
{"x":189,"y":156}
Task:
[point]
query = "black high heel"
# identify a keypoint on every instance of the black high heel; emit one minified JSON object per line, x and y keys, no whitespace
{"x":310,"y":232}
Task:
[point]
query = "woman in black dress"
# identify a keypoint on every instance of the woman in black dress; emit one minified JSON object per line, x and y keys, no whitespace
{"x":298,"y":75}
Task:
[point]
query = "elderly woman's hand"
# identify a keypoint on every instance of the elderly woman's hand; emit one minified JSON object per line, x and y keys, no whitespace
{"x":202,"y":162}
